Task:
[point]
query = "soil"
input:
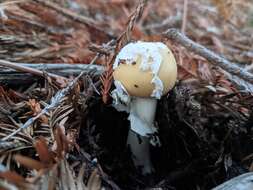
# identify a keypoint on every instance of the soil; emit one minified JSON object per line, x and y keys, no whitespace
{"x":200,"y":154}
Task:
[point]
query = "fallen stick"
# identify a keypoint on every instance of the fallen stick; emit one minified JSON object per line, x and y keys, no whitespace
{"x":214,"y":58}
{"x":18,"y":79}
{"x":21,"y":68}
{"x":63,"y":69}
{"x":241,"y":182}
{"x":9,"y":76}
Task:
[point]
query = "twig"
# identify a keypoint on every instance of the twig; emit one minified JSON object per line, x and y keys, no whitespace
{"x":243,"y":181}
{"x":103,"y":175}
{"x":214,"y":58}
{"x":58,"y":68}
{"x":66,"y":12}
{"x":125,"y":36}
{"x":10,"y":76}
{"x":134,"y":17}
{"x":185,"y":11}
{"x":55,"y":102}
{"x":72,"y":15}
{"x":34,"y":71}
{"x":170,"y":22}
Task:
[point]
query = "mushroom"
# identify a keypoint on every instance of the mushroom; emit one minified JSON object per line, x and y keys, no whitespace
{"x":143,"y":72}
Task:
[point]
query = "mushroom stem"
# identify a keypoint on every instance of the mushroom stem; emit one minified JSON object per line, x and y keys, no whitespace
{"x":139,"y":147}
{"x":142,"y":115}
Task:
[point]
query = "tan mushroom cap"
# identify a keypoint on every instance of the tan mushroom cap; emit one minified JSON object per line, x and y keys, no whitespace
{"x":138,"y":82}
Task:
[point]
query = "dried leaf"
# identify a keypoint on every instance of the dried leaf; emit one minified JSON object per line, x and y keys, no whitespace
{"x":42,"y":149}
{"x":61,"y":142}
{"x":29,"y":162}
{"x":12,"y":177}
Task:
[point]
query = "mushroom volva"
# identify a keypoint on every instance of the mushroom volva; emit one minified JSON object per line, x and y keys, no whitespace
{"x":143,"y":72}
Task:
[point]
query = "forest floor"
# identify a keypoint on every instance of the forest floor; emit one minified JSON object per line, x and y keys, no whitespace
{"x":59,"y":130}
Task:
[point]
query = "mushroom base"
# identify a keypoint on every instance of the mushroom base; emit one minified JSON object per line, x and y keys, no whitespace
{"x":140,"y":149}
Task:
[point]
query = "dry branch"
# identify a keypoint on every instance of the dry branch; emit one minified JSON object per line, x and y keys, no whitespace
{"x":185,"y":12}
{"x":19,"y":67}
{"x":11,"y":76}
{"x":243,"y":181}
{"x":64,"y":69}
{"x":214,"y":58}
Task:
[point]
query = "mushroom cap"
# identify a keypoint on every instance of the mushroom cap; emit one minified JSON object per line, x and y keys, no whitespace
{"x":146,"y":69}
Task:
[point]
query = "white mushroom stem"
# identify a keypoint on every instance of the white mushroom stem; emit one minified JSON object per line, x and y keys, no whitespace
{"x":139,"y":147}
{"x":142,"y":115}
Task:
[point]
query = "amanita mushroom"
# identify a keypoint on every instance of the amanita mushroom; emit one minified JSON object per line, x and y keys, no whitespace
{"x":143,"y":72}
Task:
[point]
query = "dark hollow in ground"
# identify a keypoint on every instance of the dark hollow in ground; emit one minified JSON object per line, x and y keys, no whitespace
{"x":186,"y":160}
